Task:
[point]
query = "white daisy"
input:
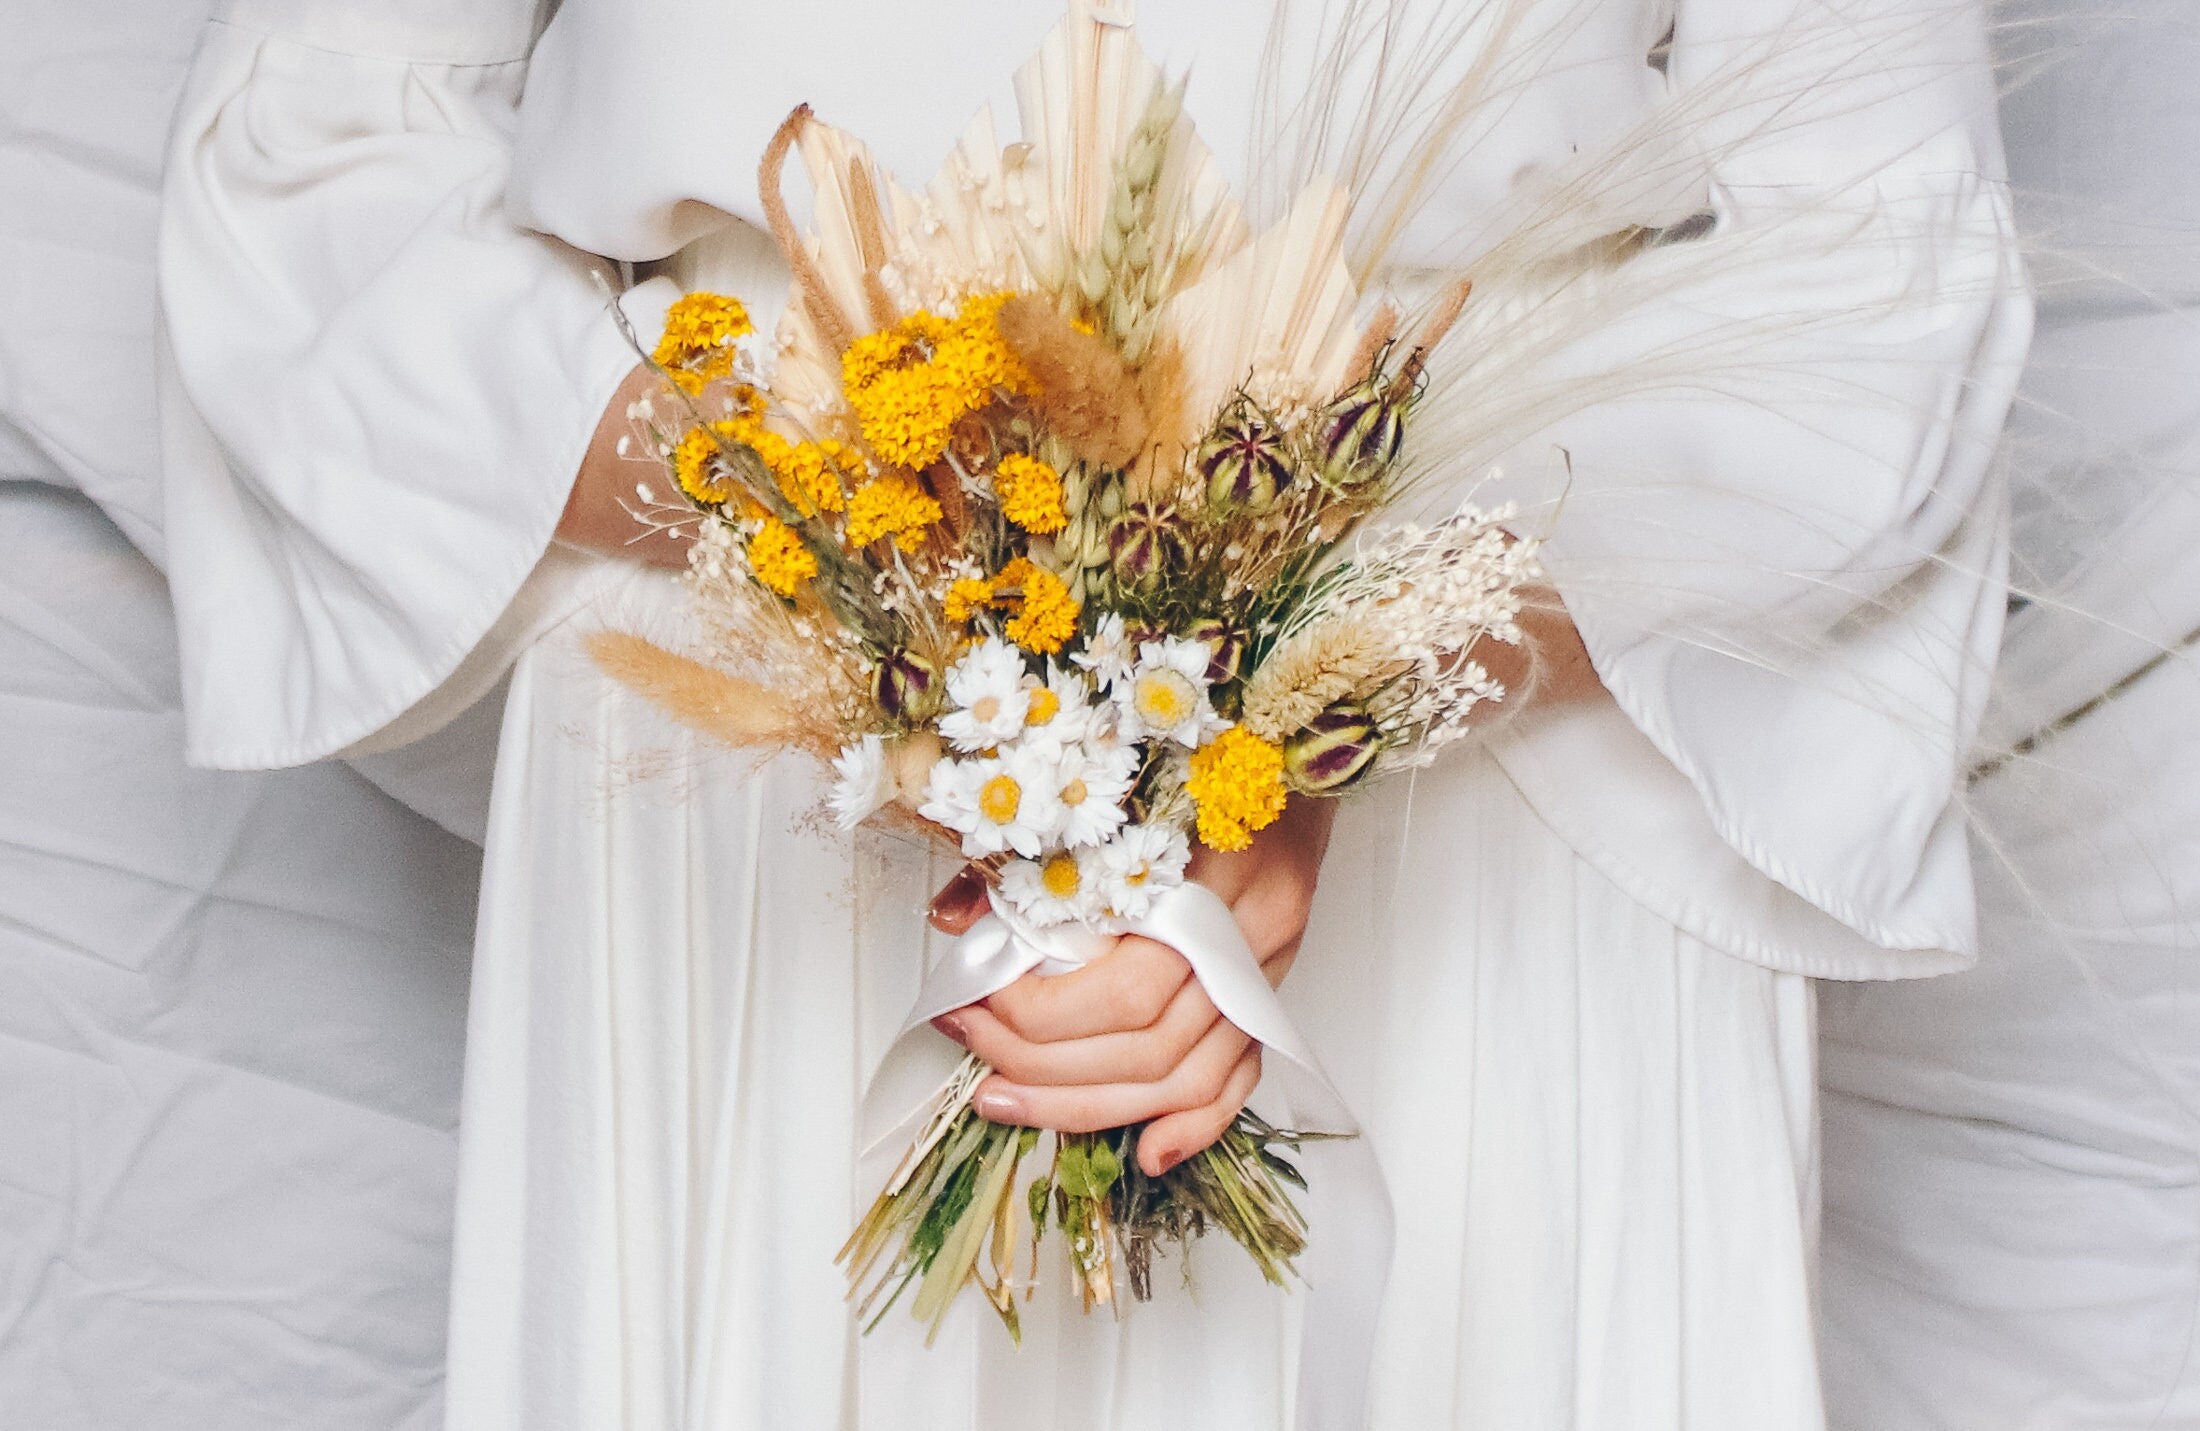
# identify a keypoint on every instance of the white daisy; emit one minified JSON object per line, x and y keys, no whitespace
{"x":996,"y":803}
{"x":987,"y":689}
{"x":1059,"y":712}
{"x":1164,"y":696}
{"x":1137,"y":865}
{"x":1091,"y":781}
{"x":1108,"y":651}
{"x":1059,"y":889}
{"x":864,"y":782}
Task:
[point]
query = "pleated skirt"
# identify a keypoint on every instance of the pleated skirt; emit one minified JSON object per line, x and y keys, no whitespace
{"x":1598,"y":1136}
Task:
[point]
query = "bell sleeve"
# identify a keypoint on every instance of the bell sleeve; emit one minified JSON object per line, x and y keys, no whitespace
{"x":377,"y":389}
{"x":1787,"y":563}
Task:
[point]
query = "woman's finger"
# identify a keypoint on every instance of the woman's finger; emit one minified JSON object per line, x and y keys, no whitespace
{"x":1199,"y":1080}
{"x":960,"y":903}
{"x":1125,"y":989}
{"x":1147,"y":1055}
{"x":1171,"y":1139}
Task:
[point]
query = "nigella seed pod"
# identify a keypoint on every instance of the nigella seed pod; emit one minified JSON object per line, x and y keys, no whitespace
{"x":905,"y":686}
{"x":1143,"y":544}
{"x":1244,"y":461}
{"x":1226,"y":645}
{"x":1335,"y":749}
{"x":1361,"y":434}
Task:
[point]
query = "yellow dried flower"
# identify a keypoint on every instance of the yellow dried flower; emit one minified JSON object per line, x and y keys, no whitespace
{"x":700,"y":331}
{"x":778,"y":557}
{"x":909,"y":385}
{"x":890,"y":506}
{"x":1048,"y":614}
{"x":1031,"y":494}
{"x":967,"y":597}
{"x":1236,"y":782}
{"x":809,"y":473}
{"x":699,"y":468}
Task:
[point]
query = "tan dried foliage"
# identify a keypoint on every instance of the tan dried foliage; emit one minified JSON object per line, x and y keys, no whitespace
{"x":1314,"y":670}
{"x":1084,"y":391}
{"x":701,"y":697}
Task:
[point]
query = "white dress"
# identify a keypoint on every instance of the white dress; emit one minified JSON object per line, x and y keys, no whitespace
{"x":1563,"y":979}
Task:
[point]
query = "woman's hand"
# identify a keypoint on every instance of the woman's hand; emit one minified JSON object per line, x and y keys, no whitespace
{"x":596,"y":514}
{"x":1131,"y":1036}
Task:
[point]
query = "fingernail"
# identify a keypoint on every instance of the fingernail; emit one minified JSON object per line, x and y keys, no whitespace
{"x":1000,"y":1107}
{"x":953,"y":1026}
{"x":1168,"y":1160}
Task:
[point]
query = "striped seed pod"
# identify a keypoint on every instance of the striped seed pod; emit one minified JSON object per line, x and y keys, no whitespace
{"x":1143,"y":544}
{"x":1334,"y":749}
{"x":1227,"y":647}
{"x":1245,"y":462}
{"x":1361,"y":434}
{"x":905,"y":686}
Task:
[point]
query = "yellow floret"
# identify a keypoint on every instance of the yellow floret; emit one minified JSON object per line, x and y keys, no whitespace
{"x":1048,"y":614}
{"x":890,"y":506}
{"x":700,"y":331}
{"x":1236,"y":782}
{"x":699,"y":468}
{"x":909,"y":385}
{"x":1031,"y":494}
{"x":967,"y":597}
{"x":778,"y":557}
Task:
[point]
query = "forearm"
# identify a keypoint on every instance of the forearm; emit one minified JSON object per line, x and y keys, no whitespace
{"x":600,"y":513}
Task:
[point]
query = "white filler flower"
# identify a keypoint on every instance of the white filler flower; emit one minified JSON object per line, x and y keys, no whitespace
{"x":1164,"y":696}
{"x":987,"y":689}
{"x":1138,"y":865}
{"x":863,"y":784}
{"x":996,"y":803}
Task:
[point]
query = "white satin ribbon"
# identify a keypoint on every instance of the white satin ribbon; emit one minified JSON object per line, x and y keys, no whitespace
{"x":1349,"y":1243}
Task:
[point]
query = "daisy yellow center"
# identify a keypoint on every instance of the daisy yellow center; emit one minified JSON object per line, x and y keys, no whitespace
{"x":1061,"y":876}
{"x":1164,"y":698}
{"x":986,"y":708}
{"x":1074,"y":793}
{"x":1045,"y":706}
{"x":1138,"y":874}
{"x":999,"y":799}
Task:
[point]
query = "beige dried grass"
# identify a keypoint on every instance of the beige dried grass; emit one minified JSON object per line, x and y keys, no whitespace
{"x":1084,"y":391}
{"x":711,"y":702}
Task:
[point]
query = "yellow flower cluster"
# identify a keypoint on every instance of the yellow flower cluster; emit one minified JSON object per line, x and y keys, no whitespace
{"x":909,"y":385}
{"x":967,"y":597}
{"x":1047,"y":614}
{"x":1031,"y":494}
{"x":698,"y":467}
{"x":778,"y":557}
{"x":1236,"y":782}
{"x":890,"y":506}
{"x":809,"y":473}
{"x":700,"y":331}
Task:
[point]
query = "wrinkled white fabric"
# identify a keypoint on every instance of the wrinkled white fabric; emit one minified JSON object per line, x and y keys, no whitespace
{"x":675,"y":1002}
{"x":1836,"y":601}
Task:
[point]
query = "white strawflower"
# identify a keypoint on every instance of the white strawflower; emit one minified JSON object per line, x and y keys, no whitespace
{"x":863,"y":782}
{"x":996,"y":803}
{"x":1059,"y":889}
{"x":1108,"y":650}
{"x":1139,"y":864}
{"x":1060,"y":711}
{"x":1091,"y":781}
{"x":987,"y":690}
{"x":1164,"y":696}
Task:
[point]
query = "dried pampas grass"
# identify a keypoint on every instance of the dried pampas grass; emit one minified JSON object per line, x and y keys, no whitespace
{"x":701,"y":697}
{"x":1085,"y":393}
